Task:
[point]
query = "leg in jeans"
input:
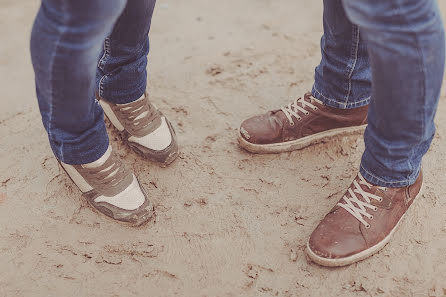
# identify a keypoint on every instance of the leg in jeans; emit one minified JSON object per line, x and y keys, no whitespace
{"x":122,"y":80}
{"x":337,"y":104}
{"x":122,"y":75}
{"x":406,"y":46}
{"x":343,"y":78}
{"x":66,"y":43}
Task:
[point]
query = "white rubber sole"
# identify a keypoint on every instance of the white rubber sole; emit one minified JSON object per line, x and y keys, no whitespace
{"x":298,"y":143}
{"x":360,"y":256}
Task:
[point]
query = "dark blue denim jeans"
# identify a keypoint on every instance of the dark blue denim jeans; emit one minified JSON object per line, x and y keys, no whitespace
{"x":386,"y":53}
{"x":78,"y":48}
{"x":389,"y":54}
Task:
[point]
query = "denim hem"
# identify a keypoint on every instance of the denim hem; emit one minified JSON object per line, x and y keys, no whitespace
{"x":84,"y":157}
{"x":337,"y":103}
{"x":390,"y":183}
{"x":122,"y":97}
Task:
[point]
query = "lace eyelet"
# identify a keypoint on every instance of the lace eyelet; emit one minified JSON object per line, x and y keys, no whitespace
{"x":371,"y":217}
{"x":315,"y":108}
{"x":375,"y":209}
{"x":307,"y":113}
{"x":367,"y":226}
{"x":299,"y":119}
{"x":291,"y":123}
{"x":380,"y":200}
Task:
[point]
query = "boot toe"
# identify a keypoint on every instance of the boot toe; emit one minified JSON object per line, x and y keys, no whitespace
{"x":262,"y":129}
{"x":331,"y":240}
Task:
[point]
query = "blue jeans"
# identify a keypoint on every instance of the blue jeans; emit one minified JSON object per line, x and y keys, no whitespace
{"x":389,"y":54}
{"x":83,"y":47}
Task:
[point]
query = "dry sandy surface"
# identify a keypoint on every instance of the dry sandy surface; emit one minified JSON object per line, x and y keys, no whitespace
{"x":228,"y":223}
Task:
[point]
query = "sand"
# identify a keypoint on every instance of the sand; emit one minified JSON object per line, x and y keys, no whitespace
{"x":228,"y":223}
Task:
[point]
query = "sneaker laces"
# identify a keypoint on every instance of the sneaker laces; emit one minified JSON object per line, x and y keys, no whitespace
{"x":297,"y":106}
{"x":138,"y":114}
{"x":106,"y":176}
{"x":359,"y":210}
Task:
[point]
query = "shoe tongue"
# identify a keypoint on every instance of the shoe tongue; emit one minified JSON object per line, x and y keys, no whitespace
{"x":372,"y":190}
{"x":309,"y":98}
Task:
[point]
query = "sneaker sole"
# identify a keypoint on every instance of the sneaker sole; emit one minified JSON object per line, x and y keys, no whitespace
{"x":172,"y":156}
{"x":139,"y":223}
{"x":298,"y":143}
{"x":360,"y":256}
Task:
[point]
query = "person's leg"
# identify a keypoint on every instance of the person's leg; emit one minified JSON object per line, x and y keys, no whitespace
{"x":65,"y":45}
{"x":406,"y":44}
{"x":66,"y":42}
{"x":407,"y":51}
{"x":343,"y":78}
{"x":121,"y":74}
{"x":122,"y":81}
{"x":338,"y":102}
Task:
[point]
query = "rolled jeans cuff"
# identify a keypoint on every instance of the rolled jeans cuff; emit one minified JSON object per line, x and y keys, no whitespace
{"x":89,"y":149}
{"x":318,"y":92}
{"x":117,"y":93}
{"x":373,"y":175}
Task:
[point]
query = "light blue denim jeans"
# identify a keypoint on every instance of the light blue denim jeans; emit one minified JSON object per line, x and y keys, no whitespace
{"x":83,"y":47}
{"x":389,"y":54}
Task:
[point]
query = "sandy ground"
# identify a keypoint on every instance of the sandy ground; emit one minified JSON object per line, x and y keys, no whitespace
{"x":228,"y":223}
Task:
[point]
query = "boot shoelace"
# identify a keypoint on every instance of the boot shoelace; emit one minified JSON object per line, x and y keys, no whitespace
{"x":356,"y":207}
{"x":297,"y":106}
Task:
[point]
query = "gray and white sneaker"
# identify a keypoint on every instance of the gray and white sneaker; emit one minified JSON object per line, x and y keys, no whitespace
{"x":144,"y":128}
{"x":111,"y":189}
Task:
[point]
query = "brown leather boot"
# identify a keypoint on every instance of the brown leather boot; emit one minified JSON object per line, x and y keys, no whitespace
{"x":304,"y":122}
{"x":361,"y":223}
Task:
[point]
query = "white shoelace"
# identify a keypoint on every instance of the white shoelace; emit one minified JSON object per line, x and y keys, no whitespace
{"x":359,"y":210}
{"x":297,"y":106}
